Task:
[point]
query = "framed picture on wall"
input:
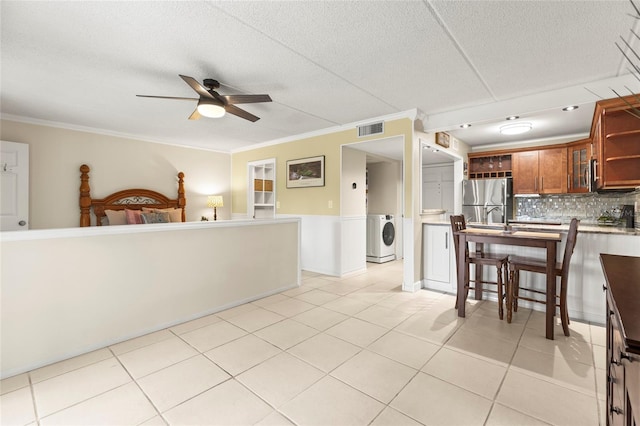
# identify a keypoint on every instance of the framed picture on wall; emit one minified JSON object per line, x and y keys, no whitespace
{"x":305,"y":172}
{"x":442,"y":139}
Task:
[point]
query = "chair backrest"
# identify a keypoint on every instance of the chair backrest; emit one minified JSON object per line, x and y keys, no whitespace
{"x":568,"y":249}
{"x":457,"y":224}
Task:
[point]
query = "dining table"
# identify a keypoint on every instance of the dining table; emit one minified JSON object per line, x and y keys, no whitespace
{"x":481,"y":236}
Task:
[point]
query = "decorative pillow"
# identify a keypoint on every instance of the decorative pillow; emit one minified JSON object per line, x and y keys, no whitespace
{"x":175,"y":215}
{"x":156,"y":217}
{"x":133,"y":216}
{"x":116,"y":217}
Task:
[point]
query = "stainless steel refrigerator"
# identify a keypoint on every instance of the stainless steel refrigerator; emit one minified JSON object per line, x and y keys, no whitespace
{"x":487,"y":200}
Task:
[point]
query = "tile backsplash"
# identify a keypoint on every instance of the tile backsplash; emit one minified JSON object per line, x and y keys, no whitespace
{"x":563,"y":207}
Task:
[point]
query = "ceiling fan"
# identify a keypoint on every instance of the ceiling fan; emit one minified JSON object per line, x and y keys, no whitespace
{"x":212,"y":104}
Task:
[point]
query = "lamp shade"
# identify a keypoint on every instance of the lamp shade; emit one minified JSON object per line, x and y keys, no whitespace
{"x":215,"y":201}
{"x":210,"y":108}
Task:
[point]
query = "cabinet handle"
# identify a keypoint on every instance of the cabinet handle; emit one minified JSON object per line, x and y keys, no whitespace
{"x":617,"y":410}
{"x":535,"y":184}
{"x":541,"y":183}
{"x":595,"y":170}
{"x":446,"y":240}
{"x":604,"y":287}
{"x":568,"y":181}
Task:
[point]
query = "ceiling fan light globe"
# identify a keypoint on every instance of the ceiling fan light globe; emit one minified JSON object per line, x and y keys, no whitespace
{"x":211,"y":110}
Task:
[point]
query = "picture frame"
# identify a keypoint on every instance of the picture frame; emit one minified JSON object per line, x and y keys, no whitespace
{"x":442,"y":139}
{"x":305,"y":172}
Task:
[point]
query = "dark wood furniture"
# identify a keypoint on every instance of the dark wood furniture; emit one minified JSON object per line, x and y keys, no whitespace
{"x":132,"y":199}
{"x":497,"y":260}
{"x":545,"y":240}
{"x":622,"y":274}
{"x":520,"y":263}
{"x":615,"y":133}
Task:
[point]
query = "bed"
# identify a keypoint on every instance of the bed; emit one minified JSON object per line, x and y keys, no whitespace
{"x":135,"y":205}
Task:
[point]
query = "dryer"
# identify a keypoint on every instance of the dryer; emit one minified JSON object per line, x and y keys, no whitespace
{"x":381,"y":235}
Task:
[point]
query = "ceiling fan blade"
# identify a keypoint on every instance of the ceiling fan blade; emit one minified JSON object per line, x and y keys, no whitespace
{"x":241,"y":113}
{"x":245,"y":99}
{"x":168,"y":97}
{"x":199,"y":88}
{"x":195,"y":115}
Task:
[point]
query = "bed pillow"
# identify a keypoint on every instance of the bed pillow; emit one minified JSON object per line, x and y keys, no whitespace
{"x":116,"y":217}
{"x":175,"y":214}
{"x":155,"y":217}
{"x":133,"y":216}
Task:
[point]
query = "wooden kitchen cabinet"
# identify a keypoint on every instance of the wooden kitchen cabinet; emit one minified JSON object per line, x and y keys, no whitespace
{"x":541,"y":171}
{"x":616,"y":133}
{"x":578,"y":157}
{"x":622,"y":274}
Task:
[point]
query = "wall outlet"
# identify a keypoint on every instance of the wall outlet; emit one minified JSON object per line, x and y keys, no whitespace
{"x":277,"y":204}
{"x":330,"y":204}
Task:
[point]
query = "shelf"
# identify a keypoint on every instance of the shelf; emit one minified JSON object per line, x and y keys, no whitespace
{"x":621,"y":134}
{"x":263,"y":205}
{"x":490,"y":175}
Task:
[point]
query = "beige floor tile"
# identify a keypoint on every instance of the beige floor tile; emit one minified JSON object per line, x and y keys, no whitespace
{"x":356,"y":331}
{"x":140,"y":342}
{"x":505,"y":416}
{"x":154,"y":421}
{"x":297,"y":291}
{"x":289,"y":308}
{"x":316,"y":282}
{"x":125,"y":405}
{"x":286,"y":334}
{"x":320,"y":318}
{"x":13,"y":383}
{"x":195,"y":324}
{"x":255,"y":319}
{"x":391,"y":417}
{"x":405,"y":349}
{"x":78,"y":385}
{"x":601,"y":383}
{"x":547,"y":401}
{"x":324,"y":352}
{"x":16,"y":407}
{"x":598,"y":335}
{"x":242,"y":354}
{"x":279,"y":379}
{"x":490,"y":309}
{"x":331,"y":402}
{"x":472,"y":374}
{"x":346,"y":306}
{"x":481,"y":346}
{"x":580,"y":331}
{"x":600,"y":356}
{"x":555,"y":369}
{"x":570,"y":348}
{"x":70,"y":364}
{"x":317,"y":297}
{"x":232,"y":312}
{"x":229,"y":403}
{"x":434,"y":402}
{"x":381,"y":316}
{"x":340,"y":288}
{"x":213,"y":335}
{"x":274,"y":419}
{"x":374,"y":375}
{"x":175,"y":384}
{"x":368,"y":296}
{"x":270,"y":299}
{"x":493,"y":327}
{"x":154,"y":357}
{"x":421,"y":326}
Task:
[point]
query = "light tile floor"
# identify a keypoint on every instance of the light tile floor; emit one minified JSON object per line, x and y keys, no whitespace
{"x":352,"y":351}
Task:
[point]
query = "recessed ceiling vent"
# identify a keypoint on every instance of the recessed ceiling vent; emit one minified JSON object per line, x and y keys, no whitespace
{"x":371,"y":129}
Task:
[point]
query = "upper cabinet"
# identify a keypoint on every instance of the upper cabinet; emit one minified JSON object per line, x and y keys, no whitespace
{"x":542,"y":171}
{"x":616,"y":136}
{"x":578,"y":156}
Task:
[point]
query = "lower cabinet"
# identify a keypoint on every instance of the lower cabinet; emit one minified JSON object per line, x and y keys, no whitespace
{"x":438,"y":258}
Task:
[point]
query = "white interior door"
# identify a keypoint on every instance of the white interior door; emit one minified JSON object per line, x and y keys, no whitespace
{"x":14,"y":183}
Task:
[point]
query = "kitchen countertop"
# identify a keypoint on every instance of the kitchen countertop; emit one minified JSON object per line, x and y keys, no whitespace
{"x":539,"y":226}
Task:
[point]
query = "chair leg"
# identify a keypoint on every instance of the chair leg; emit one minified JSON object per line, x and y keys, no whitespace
{"x":500,"y":290}
{"x":515,"y":288}
{"x":564,"y":314}
{"x":509,"y":297}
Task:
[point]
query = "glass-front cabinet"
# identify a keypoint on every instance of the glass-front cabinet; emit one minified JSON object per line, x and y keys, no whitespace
{"x":579,"y":155}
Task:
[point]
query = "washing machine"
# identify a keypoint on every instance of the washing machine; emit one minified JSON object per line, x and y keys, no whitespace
{"x":381,"y":236}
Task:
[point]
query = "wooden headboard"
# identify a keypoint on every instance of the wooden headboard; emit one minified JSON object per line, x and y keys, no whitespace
{"x":132,"y":199}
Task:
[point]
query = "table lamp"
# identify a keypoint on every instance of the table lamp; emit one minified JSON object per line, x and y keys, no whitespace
{"x":215,"y":201}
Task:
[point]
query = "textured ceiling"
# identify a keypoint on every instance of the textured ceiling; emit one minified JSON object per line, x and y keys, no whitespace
{"x":80,"y":64}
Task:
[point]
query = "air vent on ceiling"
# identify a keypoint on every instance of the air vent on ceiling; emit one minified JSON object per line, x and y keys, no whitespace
{"x":371,"y":129}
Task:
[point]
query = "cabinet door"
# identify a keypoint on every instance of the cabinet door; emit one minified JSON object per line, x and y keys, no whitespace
{"x":578,"y":157}
{"x":525,"y":172}
{"x":552,"y":165}
{"x":438,"y":253}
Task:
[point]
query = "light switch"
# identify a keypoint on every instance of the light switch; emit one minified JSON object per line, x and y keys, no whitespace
{"x":330,"y":204}
{"x":277,"y":204}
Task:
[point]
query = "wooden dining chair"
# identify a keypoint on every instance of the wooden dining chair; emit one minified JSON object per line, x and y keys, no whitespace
{"x":519,"y":263}
{"x":499,"y":261}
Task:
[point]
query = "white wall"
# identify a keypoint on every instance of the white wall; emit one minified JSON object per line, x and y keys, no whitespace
{"x":383,"y":187}
{"x":353,"y":200}
{"x":116,"y":163}
{"x":70,"y":291}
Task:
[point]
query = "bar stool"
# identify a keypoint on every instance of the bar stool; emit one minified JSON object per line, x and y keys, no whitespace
{"x":499,"y":261}
{"x":519,"y":263}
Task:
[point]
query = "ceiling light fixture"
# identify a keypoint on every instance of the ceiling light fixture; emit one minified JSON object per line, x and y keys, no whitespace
{"x":570,"y":108}
{"x":210,"y":108}
{"x":512,"y":117}
{"x":516,"y":128}
{"x":465,"y":126}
